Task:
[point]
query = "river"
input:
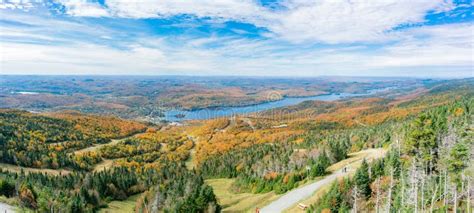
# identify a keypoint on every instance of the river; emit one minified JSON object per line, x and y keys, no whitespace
{"x":209,"y":113}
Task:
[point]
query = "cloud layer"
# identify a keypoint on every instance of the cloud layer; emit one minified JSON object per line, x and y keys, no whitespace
{"x":292,"y":37}
{"x":330,"y":21}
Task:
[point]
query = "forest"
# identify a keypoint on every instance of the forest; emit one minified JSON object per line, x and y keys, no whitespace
{"x":429,"y":168}
{"x":68,"y":161}
{"x":141,"y":164}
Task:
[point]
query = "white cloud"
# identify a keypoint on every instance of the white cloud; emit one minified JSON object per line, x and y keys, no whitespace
{"x":83,"y":8}
{"x":443,"y":45}
{"x":327,"y":21}
{"x":244,"y":10}
{"x":342,"y":21}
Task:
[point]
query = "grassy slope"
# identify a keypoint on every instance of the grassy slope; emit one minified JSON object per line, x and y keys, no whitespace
{"x":17,"y":169}
{"x":125,"y":206}
{"x":238,"y":202}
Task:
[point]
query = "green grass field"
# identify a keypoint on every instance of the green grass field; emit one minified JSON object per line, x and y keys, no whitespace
{"x":125,"y":206}
{"x":238,"y":202}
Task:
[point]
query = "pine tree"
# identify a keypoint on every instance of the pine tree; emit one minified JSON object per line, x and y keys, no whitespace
{"x":362,"y":179}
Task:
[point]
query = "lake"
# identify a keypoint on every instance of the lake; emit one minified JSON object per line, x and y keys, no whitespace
{"x":209,"y":113}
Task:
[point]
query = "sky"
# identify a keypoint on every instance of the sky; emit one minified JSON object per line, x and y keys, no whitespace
{"x":415,"y":38}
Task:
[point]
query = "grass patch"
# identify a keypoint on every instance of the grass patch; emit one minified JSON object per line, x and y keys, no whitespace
{"x":124,"y":206}
{"x":105,"y":164}
{"x":238,"y":202}
{"x":190,"y":162}
{"x":18,"y":169}
{"x":96,"y":147}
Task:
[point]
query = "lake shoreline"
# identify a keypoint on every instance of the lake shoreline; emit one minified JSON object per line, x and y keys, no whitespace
{"x":180,"y":115}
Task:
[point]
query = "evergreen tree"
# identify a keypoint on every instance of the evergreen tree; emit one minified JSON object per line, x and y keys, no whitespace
{"x":319,"y":168}
{"x":362,"y":180}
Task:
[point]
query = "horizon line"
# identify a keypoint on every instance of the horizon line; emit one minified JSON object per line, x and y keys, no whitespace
{"x":237,"y":76}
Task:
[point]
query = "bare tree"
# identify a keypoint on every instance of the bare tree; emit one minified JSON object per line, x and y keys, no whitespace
{"x":377,"y":195}
{"x":403,"y":188}
{"x":423,"y":191}
{"x":389,"y":198}
{"x":433,"y":198}
{"x":468,"y":195}
{"x":415,"y":190}
{"x":413,"y":181}
{"x":455,"y":207}
{"x":445,"y":193}
{"x":355,"y":196}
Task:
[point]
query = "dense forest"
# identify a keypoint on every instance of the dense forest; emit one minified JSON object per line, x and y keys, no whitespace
{"x":171,"y":188}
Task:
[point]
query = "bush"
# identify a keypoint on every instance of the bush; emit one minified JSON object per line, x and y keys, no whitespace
{"x":7,"y":188}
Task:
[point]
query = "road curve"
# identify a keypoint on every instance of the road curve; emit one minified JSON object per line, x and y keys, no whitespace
{"x":296,"y":195}
{"x":293,"y":196}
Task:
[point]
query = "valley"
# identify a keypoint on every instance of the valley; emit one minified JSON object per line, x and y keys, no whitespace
{"x":167,"y":98}
{"x":320,"y":151}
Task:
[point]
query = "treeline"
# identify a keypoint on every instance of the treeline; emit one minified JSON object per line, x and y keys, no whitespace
{"x":75,"y":192}
{"x":426,"y":170}
{"x":171,"y":188}
{"x":342,"y":141}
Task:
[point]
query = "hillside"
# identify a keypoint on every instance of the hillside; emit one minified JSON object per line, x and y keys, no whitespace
{"x":139,"y":162}
{"x":69,"y":161}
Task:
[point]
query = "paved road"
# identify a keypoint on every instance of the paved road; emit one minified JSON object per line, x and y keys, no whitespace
{"x":5,"y":208}
{"x":292,"y":197}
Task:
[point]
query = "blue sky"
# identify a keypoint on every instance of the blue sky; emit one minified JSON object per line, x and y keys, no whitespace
{"x":420,"y":38}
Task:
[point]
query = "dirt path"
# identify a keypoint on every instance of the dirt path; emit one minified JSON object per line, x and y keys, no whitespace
{"x":98,"y":146}
{"x":105,"y":164}
{"x":294,"y":196}
{"x":192,"y":153}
